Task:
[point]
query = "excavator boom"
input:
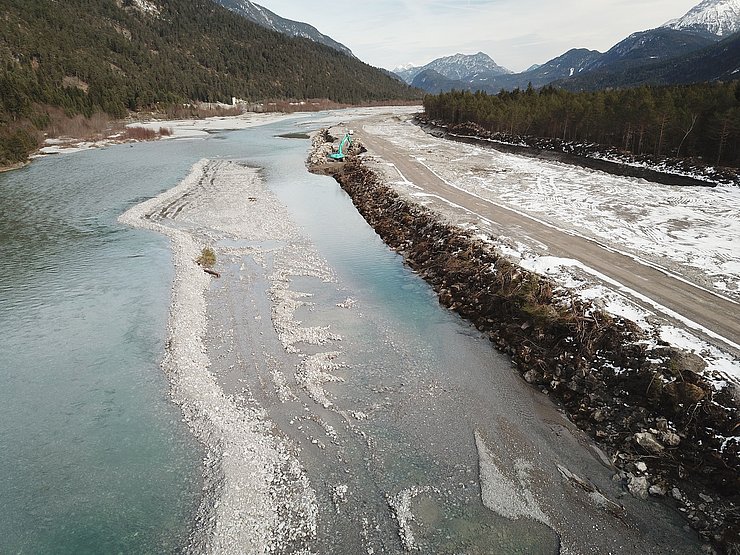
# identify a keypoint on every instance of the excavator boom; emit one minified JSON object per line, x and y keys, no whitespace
{"x":340,"y":154}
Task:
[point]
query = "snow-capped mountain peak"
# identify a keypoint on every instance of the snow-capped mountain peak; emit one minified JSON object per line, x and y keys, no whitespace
{"x":718,"y":17}
{"x":456,"y":67}
{"x":460,"y":66}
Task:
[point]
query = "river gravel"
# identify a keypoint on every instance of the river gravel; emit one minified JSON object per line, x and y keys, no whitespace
{"x":258,"y":498}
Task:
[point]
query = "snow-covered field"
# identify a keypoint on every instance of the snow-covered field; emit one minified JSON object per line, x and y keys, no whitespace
{"x":192,"y":128}
{"x":690,"y":232}
{"x":620,"y":301}
{"x":180,"y":129}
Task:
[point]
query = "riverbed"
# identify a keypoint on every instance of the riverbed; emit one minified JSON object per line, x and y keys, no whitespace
{"x":321,"y":394}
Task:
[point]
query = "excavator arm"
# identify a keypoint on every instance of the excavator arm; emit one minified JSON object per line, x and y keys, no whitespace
{"x":341,"y":153}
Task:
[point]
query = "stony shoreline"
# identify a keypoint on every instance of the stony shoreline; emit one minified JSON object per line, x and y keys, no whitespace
{"x":12,"y":167}
{"x":664,"y":425}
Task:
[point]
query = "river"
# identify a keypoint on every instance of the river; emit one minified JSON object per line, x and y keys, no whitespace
{"x":426,"y":424}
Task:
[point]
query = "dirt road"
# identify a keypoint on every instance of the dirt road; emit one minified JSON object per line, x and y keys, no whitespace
{"x":720,"y":316}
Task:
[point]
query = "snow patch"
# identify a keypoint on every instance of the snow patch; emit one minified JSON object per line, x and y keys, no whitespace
{"x":503,"y":495}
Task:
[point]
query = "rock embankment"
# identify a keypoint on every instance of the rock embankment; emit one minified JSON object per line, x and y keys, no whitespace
{"x":322,"y":145}
{"x":668,"y":430}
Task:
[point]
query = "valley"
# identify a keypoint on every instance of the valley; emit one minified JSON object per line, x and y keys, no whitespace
{"x":260,"y":295}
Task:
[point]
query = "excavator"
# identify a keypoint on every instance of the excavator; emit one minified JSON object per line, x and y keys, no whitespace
{"x":341,"y":153}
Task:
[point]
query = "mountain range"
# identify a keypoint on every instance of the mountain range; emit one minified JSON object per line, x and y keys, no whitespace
{"x":698,"y":45}
{"x":718,"y":62}
{"x":134,"y":53}
{"x":457,"y":67}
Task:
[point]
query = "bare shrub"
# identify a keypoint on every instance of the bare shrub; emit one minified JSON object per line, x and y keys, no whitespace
{"x":311,"y":105}
{"x":138,"y":133}
{"x":207,"y":258}
{"x":190,"y":111}
{"x":321,"y":104}
{"x":96,"y":127}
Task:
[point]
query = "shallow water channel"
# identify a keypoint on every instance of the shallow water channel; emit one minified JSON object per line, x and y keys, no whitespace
{"x":427,"y":422}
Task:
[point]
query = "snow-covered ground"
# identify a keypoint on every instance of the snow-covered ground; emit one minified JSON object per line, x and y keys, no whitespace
{"x":179,"y":129}
{"x":199,"y":128}
{"x":617,"y":300}
{"x":690,"y":232}
{"x":192,"y":128}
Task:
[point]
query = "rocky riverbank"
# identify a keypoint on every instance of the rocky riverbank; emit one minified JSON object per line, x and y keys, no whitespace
{"x":671,"y":435}
{"x":658,"y":169}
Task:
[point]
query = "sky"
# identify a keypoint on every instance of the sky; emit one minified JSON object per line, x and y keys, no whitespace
{"x":515,"y":33}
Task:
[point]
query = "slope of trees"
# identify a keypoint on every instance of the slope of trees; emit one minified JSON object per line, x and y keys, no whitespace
{"x":112,"y":56}
{"x":700,"y":120}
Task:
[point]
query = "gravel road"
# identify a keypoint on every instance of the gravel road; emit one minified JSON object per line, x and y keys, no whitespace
{"x":679,"y":299}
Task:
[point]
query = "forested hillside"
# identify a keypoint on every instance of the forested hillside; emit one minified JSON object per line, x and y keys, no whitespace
{"x":700,"y":120}
{"x":118,"y":55}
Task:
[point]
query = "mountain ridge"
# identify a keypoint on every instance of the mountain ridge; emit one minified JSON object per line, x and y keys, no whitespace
{"x":130,"y":55}
{"x":270,"y":20}
{"x":186,"y":49}
{"x":455,"y":67}
{"x":717,"y":62}
{"x":651,"y":46}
